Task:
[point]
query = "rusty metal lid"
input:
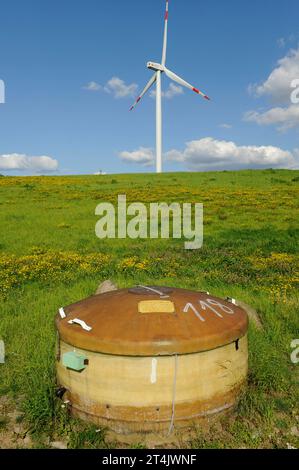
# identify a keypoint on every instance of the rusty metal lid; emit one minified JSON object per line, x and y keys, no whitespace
{"x":151,"y":320}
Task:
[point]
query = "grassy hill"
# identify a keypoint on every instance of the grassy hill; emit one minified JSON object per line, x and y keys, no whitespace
{"x":50,"y":257}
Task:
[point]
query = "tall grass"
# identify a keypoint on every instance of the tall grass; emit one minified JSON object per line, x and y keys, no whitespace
{"x":250,"y":252}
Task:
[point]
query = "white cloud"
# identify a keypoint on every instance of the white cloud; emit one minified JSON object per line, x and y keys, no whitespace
{"x":93,"y":86}
{"x":281,"y":42}
{"x":173,"y":90}
{"x":284,"y":41}
{"x":16,"y":161}
{"x":278,"y":84}
{"x":114,"y":86}
{"x":225,"y":126}
{"x":286,"y":118}
{"x":279,"y":87}
{"x":211,"y":154}
{"x":119,"y":89}
{"x":144,"y":156}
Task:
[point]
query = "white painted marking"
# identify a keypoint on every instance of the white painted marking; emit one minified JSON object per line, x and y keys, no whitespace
{"x":205,"y":305}
{"x":209,"y":304}
{"x":154,"y":371}
{"x":62,"y":313}
{"x":224,"y":308}
{"x":156,"y":291}
{"x":191,"y":306}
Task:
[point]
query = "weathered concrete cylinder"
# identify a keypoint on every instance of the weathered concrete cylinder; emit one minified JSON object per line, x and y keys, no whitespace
{"x":151,"y":358}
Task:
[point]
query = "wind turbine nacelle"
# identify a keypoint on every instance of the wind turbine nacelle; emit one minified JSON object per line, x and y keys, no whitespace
{"x":155,"y":66}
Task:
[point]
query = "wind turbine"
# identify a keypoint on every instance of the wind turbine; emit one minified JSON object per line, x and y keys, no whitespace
{"x":159,"y":69}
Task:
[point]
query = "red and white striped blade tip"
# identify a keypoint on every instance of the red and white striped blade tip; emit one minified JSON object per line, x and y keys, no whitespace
{"x":200,"y":93}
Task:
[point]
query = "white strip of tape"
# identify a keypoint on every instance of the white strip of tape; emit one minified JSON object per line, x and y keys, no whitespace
{"x":82,"y":323}
{"x":62,"y":313}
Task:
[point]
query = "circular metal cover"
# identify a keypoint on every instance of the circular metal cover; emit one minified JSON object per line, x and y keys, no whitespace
{"x":170,"y":321}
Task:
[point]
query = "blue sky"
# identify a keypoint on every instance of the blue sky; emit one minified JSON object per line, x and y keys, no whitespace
{"x":52,"y":50}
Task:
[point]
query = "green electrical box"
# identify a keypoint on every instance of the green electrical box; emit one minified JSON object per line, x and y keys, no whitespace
{"x":74,"y":361}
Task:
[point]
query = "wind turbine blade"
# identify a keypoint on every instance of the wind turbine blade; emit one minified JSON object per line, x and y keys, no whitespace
{"x":165,"y":35}
{"x":147,"y":87}
{"x":182,"y":82}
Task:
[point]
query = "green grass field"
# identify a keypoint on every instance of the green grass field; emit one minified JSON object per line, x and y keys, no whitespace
{"x":50,"y":257}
